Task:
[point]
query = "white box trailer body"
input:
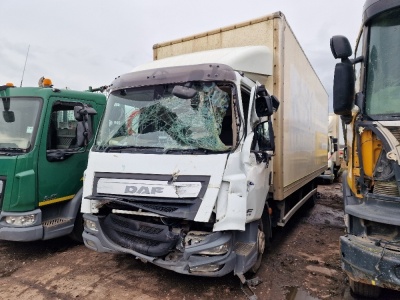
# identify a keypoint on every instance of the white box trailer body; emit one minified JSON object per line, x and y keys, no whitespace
{"x":301,"y":118}
{"x":334,"y":159}
{"x":176,"y":185}
{"x":334,"y":129}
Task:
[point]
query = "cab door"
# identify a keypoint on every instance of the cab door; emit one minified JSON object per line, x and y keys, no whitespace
{"x":61,"y":163}
{"x":257,"y":152}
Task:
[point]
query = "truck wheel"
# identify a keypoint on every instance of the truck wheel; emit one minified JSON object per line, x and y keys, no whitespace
{"x":264,"y":237}
{"x":260,"y":247}
{"x":364,"y":290}
{"x":76,"y":233}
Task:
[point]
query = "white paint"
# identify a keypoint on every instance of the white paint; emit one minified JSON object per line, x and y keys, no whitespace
{"x":212,"y":165}
{"x":253,"y":59}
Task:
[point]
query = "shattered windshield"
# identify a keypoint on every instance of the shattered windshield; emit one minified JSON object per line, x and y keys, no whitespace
{"x":153,"y":117}
{"x":18,"y":122}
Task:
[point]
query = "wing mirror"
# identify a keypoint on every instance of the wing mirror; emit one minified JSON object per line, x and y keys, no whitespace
{"x":81,"y":112}
{"x":344,"y":78}
{"x":265,"y":104}
{"x":9,"y":116}
{"x":84,"y":129}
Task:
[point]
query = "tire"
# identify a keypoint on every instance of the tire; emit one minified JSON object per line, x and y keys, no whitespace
{"x":76,"y":234}
{"x":263,"y":241}
{"x":260,"y":248}
{"x":364,"y":290}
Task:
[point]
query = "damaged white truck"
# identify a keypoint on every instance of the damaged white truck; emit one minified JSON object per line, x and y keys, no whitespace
{"x":195,"y":160}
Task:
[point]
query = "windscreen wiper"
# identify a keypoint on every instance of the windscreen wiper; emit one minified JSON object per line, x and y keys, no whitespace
{"x":187,"y":151}
{"x":131,"y":149}
{"x":13,"y":149}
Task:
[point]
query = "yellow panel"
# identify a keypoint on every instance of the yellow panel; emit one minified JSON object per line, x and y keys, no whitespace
{"x":371,"y":148}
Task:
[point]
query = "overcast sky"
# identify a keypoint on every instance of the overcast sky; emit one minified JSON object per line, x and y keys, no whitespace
{"x":78,"y":43}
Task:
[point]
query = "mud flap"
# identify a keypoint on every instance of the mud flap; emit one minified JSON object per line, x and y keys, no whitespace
{"x":246,"y":286}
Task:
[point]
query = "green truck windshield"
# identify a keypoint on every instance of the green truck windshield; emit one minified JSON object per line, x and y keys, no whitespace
{"x":17,"y":123}
{"x":383,"y":71}
{"x":152,"y":117}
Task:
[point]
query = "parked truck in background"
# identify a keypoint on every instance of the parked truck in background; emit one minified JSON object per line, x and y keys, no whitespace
{"x":45,"y":133}
{"x":334,"y":158}
{"x":195,"y":160}
{"x":366,"y":95}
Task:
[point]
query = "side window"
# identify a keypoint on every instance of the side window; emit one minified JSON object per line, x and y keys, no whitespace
{"x":62,"y":127}
{"x":228,"y":125}
{"x":245,"y":102}
{"x":357,"y":67}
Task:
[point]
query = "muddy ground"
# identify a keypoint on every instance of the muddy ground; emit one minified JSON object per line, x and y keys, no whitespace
{"x":303,"y":263}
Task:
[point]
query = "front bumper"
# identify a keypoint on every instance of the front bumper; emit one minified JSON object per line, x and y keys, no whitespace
{"x":185,"y":262}
{"x":366,"y":262}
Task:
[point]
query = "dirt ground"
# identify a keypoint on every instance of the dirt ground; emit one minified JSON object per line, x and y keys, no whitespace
{"x":303,"y":263}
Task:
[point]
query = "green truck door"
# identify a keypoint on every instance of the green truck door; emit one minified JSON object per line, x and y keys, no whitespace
{"x":59,"y":180}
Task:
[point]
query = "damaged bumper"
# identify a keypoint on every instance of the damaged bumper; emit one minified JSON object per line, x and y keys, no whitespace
{"x":193,"y":260}
{"x":370,"y":263}
{"x":213,"y":255}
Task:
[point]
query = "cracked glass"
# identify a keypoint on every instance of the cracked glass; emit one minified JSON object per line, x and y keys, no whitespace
{"x":153,"y":117}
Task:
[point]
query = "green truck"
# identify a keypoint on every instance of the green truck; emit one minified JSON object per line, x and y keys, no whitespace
{"x":45,"y":135}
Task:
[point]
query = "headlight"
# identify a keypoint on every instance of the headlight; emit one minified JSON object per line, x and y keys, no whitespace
{"x":218,"y":250}
{"x":27,"y":220}
{"x":197,"y":237}
{"x":91,"y":225}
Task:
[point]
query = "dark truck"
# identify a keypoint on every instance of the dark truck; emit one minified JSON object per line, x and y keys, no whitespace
{"x":366,"y":95}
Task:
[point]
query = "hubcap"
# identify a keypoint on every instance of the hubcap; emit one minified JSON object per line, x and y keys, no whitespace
{"x":261,"y":241}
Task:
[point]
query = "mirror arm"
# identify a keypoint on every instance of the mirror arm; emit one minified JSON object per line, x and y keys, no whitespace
{"x":357,"y":60}
{"x":262,"y":156}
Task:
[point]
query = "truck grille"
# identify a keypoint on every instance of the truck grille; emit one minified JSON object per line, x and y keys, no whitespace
{"x":395,"y":131}
{"x":384,"y":233}
{"x":146,"y":238}
{"x":150,"y":230}
{"x":159,"y":208}
{"x":130,"y":239}
{"x":388,"y":188}
{"x":167,"y":206}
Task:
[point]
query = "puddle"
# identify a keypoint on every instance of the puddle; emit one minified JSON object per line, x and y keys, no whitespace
{"x":298,"y":294}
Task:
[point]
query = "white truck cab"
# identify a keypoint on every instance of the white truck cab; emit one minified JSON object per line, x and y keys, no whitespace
{"x":175,"y":139}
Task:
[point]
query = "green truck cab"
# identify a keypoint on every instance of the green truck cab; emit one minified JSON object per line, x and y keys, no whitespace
{"x":45,"y":136}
